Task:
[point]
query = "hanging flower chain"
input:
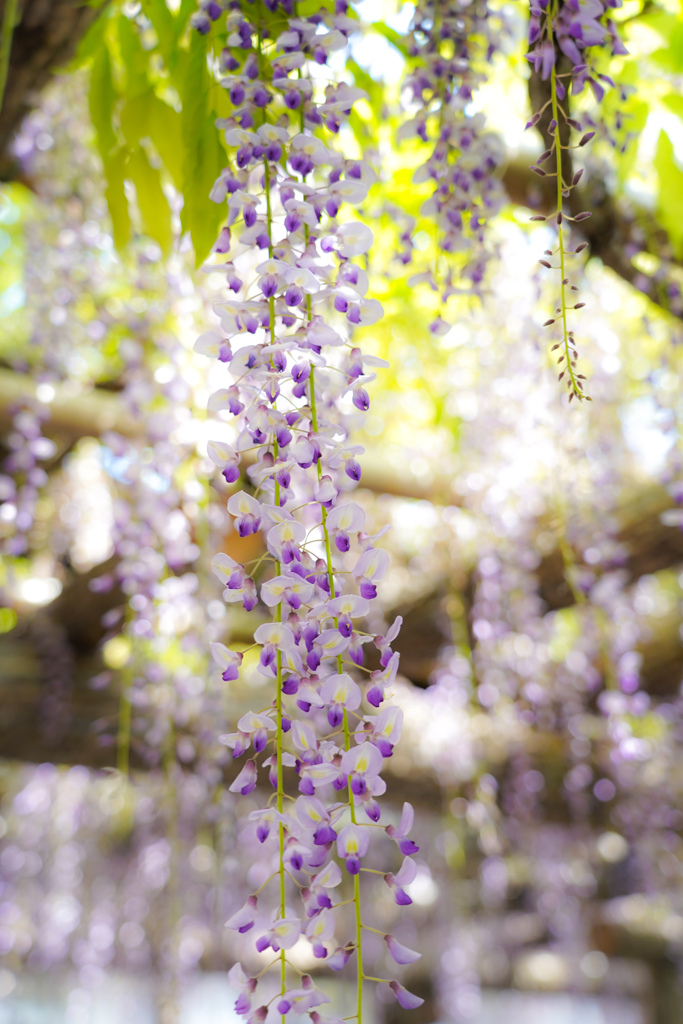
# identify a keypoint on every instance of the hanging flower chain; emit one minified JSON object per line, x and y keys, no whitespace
{"x":297,"y":386}
{"x":449,"y":44}
{"x":21,"y":478}
{"x":568,"y":30}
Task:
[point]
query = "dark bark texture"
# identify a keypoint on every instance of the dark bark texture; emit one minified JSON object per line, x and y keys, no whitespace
{"x":44,"y":40}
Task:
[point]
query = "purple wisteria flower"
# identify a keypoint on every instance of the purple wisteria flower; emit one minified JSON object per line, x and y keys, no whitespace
{"x":448,"y":45}
{"x":292,"y":383}
{"x":575,"y":32}
{"x":22,"y":478}
{"x":573,"y":28}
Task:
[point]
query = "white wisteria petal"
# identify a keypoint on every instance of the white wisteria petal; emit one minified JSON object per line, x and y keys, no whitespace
{"x":238,"y":136}
{"x":355,"y":238}
{"x":209,"y":344}
{"x":370,"y":311}
{"x":303,"y":278}
{"x":275,"y":633}
{"x":320,"y":333}
{"x":219,"y":452}
{"x":272,"y":133}
{"x":242,"y":504}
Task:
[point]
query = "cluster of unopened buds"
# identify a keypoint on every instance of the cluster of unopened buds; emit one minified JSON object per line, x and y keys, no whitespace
{"x":295,"y":387}
{"x":448,"y":47}
{"x":573,"y":32}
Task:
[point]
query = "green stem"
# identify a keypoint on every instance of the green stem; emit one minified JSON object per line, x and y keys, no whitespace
{"x":347,"y":737}
{"x":278,"y":618}
{"x":269,"y":220}
{"x":280,"y":805}
{"x":558,"y":161}
{"x":356,"y":894}
{"x":9,"y":20}
{"x":280,"y":775}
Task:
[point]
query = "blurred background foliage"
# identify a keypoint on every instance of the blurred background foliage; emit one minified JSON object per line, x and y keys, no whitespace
{"x":536,"y":550}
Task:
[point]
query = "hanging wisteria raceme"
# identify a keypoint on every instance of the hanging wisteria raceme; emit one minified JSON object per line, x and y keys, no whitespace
{"x":156,"y":555}
{"x":562,"y":35}
{"x":578,"y":31}
{"x":22,"y":478}
{"x":296,"y":386}
{"x":449,"y":46}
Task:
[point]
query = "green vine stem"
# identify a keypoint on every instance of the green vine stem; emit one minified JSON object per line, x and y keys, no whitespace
{"x":569,"y":356}
{"x":278,"y":681}
{"x":279,"y":750}
{"x":360,"y":977}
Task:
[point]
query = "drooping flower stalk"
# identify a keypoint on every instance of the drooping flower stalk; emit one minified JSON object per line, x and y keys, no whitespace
{"x":569,"y":356}
{"x":340,"y":668}
{"x":279,"y":750}
{"x":21,"y":476}
{"x":449,"y":45}
{"x":155,"y":551}
{"x":572,"y":32}
{"x":297,"y":385}
{"x":347,"y":738}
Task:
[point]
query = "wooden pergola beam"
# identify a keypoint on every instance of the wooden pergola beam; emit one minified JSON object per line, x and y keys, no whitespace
{"x":74,"y":414}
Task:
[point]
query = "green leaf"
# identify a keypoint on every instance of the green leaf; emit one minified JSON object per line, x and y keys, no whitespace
{"x":365,"y":81}
{"x":195,"y":96}
{"x":202,"y":217}
{"x":135,"y":59}
{"x":90,"y":44}
{"x":674,"y":101}
{"x":163,"y":24}
{"x":148,"y":117}
{"x":115,"y":173}
{"x":392,"y":36}
{"x":204,"y":155}
{"x":165,"y":132}
{"x":135,"y":118}
{"x":669,"y":26}
{"x":671,"y":57}
{"x":670,"y":192}
{"x":308,"y":7}
{"x":361,"y":130}
{"x":102,"y":101}
{"x":155,"y":212}
{"x":186,"y":9}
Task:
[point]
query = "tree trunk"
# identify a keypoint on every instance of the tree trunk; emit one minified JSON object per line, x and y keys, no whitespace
{"x":44,"y":40}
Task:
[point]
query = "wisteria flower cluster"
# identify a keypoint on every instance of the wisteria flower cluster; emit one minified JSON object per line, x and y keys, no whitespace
{"x":296,"y":386}
{"x":575,"y":29}
{"x":573,"y":33}
{"x":22,"y":477}
{"x":151,"y":533}
{"x":448,"y":46}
